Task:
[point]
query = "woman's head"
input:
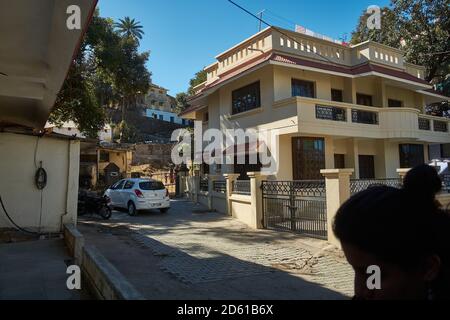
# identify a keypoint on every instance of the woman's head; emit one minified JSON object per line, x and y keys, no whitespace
{"x":402,"y":231}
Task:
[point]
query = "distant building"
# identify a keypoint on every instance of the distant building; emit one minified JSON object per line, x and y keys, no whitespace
{"x":69,"y":128}
{"x":162,"y":106}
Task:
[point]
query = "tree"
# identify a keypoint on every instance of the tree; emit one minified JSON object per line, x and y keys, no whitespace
{"x":390,"y":33}
{"x":199,"y":78}
{"x":424,"y":27}
{"x":131,"y":77}
{"x":108,"y":70}
{"x":181,"y":102}
{"x":130,"y":28}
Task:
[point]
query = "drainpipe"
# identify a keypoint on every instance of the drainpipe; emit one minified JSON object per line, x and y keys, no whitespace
{"x":61,"y":227}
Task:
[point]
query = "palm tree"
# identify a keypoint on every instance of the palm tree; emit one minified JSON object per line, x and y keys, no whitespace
{"x":130,"y":28}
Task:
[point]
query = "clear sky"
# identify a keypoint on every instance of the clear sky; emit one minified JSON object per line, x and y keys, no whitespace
{"x":185,"y":35}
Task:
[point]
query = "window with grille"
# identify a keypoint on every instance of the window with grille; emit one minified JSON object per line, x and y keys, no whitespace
{"x":246,"y":98}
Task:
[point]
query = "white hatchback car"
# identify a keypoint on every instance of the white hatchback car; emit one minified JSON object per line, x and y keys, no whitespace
{"x":139,"y":194}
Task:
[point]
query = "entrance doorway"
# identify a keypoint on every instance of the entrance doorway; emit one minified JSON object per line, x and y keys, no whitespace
{"x":366,"y":167}
{"x":308,"y":158}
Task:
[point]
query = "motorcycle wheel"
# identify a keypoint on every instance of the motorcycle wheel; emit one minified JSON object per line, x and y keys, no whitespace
{"x":105,"y":212}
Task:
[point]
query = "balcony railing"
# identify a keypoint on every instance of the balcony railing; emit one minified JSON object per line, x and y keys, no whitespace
{"x":331,"y":113}
{"x":424,"y":124}
{"x":440,"y":126}
{"x":365,"y":117}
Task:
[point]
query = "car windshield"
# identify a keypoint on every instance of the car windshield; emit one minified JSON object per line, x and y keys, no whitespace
{"x":151,"y":185}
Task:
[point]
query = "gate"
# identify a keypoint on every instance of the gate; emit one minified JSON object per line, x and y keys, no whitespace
{"x":297,"y":206}
{"x":168,"y":178}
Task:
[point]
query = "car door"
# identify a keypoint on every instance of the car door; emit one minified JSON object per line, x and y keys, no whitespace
{"x":115,"y":195}
{"x":125,"y":193}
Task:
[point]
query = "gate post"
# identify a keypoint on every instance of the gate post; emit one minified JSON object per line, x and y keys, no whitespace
{"x":230,"y":178}
{"x":256,"y":199}
{"x":196,"y":186}
{"x":337,"y":184}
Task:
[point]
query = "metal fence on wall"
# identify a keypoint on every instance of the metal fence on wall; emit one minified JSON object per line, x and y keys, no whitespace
{"x":220,"y":186}
{"x":358,"y":185}
{"x":297,"y":206}
{"x":241,"y":187}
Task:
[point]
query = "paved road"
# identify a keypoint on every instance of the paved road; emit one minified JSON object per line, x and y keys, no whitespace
{"x":190,"y":253}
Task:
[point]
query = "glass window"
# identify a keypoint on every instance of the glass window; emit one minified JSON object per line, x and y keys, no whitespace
{"x":246,"y":98}
{"x":118,"y":185}
{"x":394,"y":103}
{"x":104,"y":156}
{"x":151,"y":185}
{"x":172,"y":119}
{"x":363,"y":99}
{"x":301,"y":88}
{"x":337,"y":95}
{"x":128,"y":185}
{"x":411,"y":155}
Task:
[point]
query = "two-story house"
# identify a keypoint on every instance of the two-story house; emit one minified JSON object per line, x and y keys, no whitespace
{"x":332,"y":106}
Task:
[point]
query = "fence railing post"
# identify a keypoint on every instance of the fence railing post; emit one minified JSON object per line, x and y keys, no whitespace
{"x":337,"y":184}
{"x":230,"y":178}
{"x":256,"y":199}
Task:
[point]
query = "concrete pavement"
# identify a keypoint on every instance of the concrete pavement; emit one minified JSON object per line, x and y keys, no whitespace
{"x":190,"y":253}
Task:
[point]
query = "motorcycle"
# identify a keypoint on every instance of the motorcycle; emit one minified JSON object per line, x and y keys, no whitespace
{"x":89,"y":202}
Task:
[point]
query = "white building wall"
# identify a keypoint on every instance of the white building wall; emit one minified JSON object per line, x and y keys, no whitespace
{"x":60,"y":158}
{"x":166,"y":116}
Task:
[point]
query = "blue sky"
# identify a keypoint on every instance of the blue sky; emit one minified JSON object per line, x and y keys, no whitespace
{"x":185,"y":35}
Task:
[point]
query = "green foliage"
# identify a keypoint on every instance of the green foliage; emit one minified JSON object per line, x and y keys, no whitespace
{"x":108,"y":70}
{"x":199,"y":78}
{"x":130,"y":28}
{"x":423,"y":26}
{"x":182,"y":104}
{"x":128,"y":133}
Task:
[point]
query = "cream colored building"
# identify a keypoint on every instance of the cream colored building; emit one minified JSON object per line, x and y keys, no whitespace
{"x":36,"y":51}
{"x":333,"y":106}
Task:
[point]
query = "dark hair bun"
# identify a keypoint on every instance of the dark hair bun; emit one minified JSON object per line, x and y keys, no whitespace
{"x":423,"y":181}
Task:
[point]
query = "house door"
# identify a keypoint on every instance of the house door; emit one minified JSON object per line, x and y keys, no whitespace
{"x":366,"y":167}
{"x":308,"y":158}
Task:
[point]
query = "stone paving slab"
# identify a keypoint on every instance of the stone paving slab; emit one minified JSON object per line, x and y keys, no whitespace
{"x":212,"y":249}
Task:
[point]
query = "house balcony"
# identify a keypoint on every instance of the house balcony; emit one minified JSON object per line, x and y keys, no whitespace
{"x":322,"y":117}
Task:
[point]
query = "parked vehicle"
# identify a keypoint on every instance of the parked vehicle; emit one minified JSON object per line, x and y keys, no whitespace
{"x":443,"y":168}
{"x":139,"y":194}
{"x":90,"y":202}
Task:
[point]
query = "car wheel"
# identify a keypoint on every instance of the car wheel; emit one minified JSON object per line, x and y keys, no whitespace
{"x":164,"y":210}
{"x":106,"y":212}
{"x":132,"y":209}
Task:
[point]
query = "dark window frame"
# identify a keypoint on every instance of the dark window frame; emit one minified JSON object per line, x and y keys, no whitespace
{"x":297,"y":90}
{"x":407,"y":155}
{"x":394,"y":103}
{"x":252,"y":91}
{"x":333,"y":95}
{"x":363,"y":96}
